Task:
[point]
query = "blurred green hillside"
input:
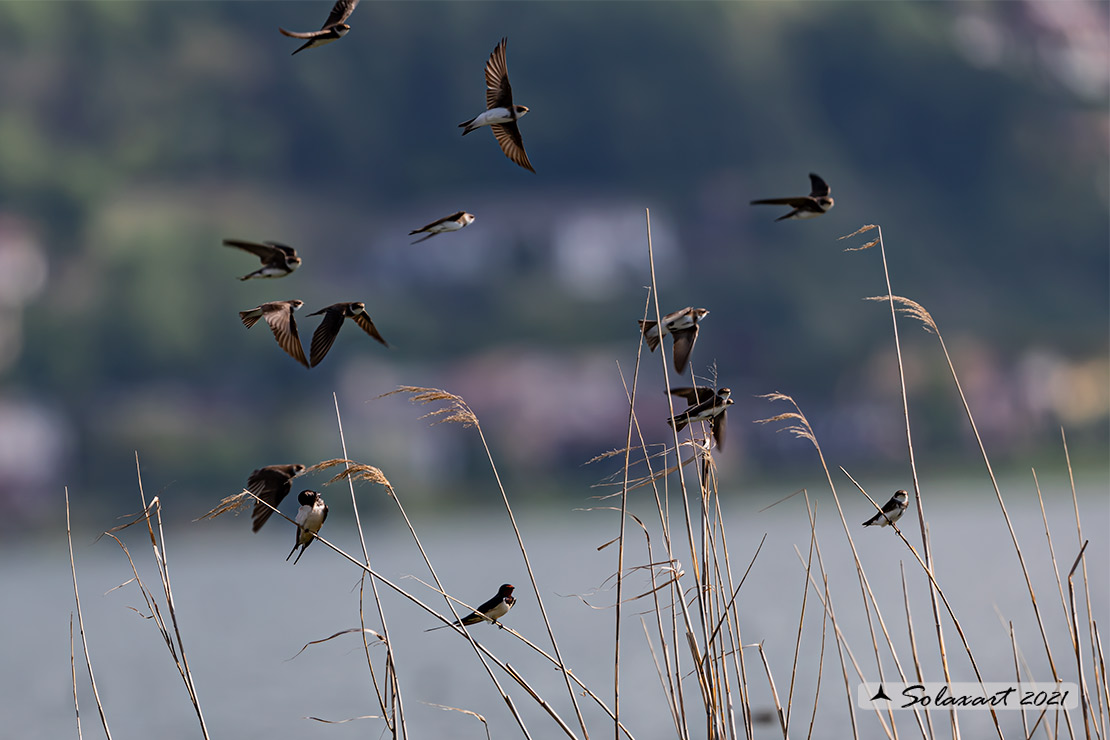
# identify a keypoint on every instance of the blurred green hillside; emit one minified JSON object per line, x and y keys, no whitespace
{"x":134,"y":136}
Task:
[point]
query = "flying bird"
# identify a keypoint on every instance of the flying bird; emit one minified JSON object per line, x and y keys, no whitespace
{"x":683,"y":326}
{"x":500,"y":114}
{"x":271,"y":484}
{"x":333,"y":29}
{"x":278,"y":260}
{"x":892,"y":510}
{"x":805,"y":206}
{"x":705,"y":404}
{"x":279,"y":315}
{"x":454,"y":222}
{"x":324,"y":336}
{"x":310,"y":517}
{"x":490,"y":611}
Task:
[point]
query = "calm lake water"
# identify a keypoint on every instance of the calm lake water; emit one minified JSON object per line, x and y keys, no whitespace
{"x":245,"y":612}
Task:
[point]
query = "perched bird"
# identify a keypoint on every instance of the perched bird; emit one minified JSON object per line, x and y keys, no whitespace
{"x":500,"y":114}
{"x":454,"y":222}
{"x":892,"y":510}
{"x":334,"y":28}
{"x":278,"y":260}
{"x":279,"y":315}
{"x":683,"y":326}
{"x":310,"y":517}
{"x":271,"y":484}
{"x":490,"y":611}
{"x":324,"y":336}
{"x":805,"y":206}
{"x":706,"y":404}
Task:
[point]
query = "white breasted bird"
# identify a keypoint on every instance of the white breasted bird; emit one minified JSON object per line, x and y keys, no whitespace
{"x":805,"y":206}
{"x":279,"y":315}
{"x":892,"y":510}
{"x":501,"y":114}
{"x":490,"y":611}
{"x":310,"y":517}
{"x":334,"y":28}
{"x":454,"y":222}
{"x":682,"y":325}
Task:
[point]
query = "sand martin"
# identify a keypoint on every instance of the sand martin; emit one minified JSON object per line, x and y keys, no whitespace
{"x":490,"y":611}
{"x":500,"y":114}
{"x":892,"y":510}
{"x":271,"y":484}
{"x":328,"y":330}
{"x":333,"y":29}
{"x":706,"y":404}
{"x":278,"y":260}
{"x":454,"y":222}
{"x":683,"y":326}
{"x":279,"y":315}
{"x":806,"y":206}
{"x":310,"y":517}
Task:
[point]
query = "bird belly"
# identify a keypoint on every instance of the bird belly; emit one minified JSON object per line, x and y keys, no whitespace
{"x":492,"y":116}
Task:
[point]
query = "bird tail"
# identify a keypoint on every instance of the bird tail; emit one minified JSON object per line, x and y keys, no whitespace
{"x":679,"y":423}
{"x":466,"y":127}
{"x":424,"y":238}
{"x":249,"y":319}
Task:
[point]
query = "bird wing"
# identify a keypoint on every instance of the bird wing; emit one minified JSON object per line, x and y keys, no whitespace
{"x":792,"y":202}
{"x":285,"y":249}
{"x":499,"y":94}
{"x":363,"y":320}
{"x":271,"y":484}
{"x":264,"y":250}
{"x":340,"y":12}
{"x":819,"y":187}
{"x":284,"y":327}
{"x":508,"y":136}
{"x":324,"y":336}
{"x":683,"y":344}
{"x":437,"y":222}
{"x":694,"y":395}
{"x":305,"y":34}
{"x":717,"y":426}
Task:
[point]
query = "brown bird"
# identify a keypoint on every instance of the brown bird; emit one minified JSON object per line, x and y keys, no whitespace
{"x":279,"y":315}
{"x":328,"y":330}
{"x":334,"y":28}
{"x":278,"y":260}
{"x":683,"y":326}
{"x":805,"y":206}
{"x":454,"y":222}
{"x":705,"y":404}
{"x":500,"y":114}
{"x":271,"y":484}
